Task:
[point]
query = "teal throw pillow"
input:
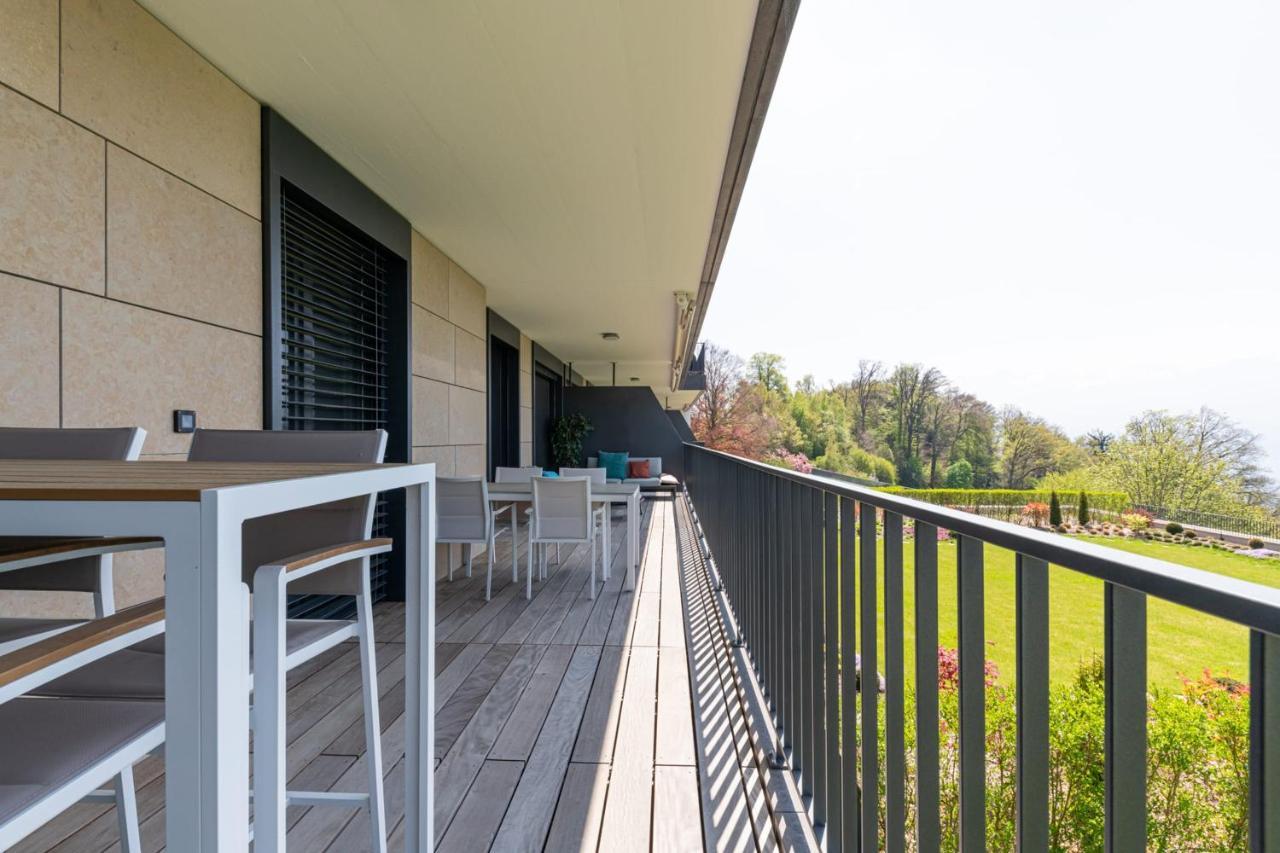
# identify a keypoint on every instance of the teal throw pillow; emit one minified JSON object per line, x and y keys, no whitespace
{"x":614,"y":464}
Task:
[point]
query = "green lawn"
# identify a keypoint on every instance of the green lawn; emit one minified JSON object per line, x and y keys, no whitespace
{"x":1180,"y":641}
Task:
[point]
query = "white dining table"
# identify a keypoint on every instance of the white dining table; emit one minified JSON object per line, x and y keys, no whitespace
{"x":198,"y":509}
{"x":626,"y":494}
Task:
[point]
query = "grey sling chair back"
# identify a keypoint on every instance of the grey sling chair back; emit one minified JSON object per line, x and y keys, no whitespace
{"x":321,"y":550}
{"x":72,"y":565}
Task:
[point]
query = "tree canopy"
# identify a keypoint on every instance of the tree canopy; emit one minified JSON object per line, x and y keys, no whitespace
{"x":911,"y":426}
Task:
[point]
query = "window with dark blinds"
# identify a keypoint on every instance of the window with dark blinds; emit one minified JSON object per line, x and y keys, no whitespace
{"x":334,"y":331}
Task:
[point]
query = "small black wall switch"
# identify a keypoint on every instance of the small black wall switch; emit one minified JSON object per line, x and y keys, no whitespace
{"x":184,"y":420}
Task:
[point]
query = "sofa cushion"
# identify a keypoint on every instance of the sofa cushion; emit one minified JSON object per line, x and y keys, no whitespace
{"x":638,"y":469}
{"x":614,"y":464}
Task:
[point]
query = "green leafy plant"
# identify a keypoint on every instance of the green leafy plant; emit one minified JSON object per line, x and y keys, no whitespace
{"x":566,"y":439}
{"x":1173,"y":527}
{"x":1255,"y":543}
{"x":1082,"y":508}
{"x":959,"y":475}
{"x":1055,"y":510}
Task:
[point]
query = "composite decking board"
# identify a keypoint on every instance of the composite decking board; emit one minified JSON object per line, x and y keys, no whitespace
{"x":481,"y":812}
{"x":453,"y":676}
{"x":600,"y":719}
{"x":528,"y":616}
{"x":575,"y":826}
{"x":453,"y":717}
{"x":529,"y":814}
{"x":675,"y":714}
{"x":584,"y":751}
{"x":522,"y":727}
{"x":355,"y":837}
{"x":628,"y":806}
{"x":676,"y":822}
{"x":460,"y":764}
{"x":313,"y":741}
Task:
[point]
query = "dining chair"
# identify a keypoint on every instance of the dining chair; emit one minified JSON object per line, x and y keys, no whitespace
{"x":58,"y":752}
{"x":524,"y":474}
{"x":598,"y":478}
{"x":322,"y":550}
{"x":74,"y":565}
{"x":562,"y":514}
{"x":70,"y":564}
{"x":463,"y":515}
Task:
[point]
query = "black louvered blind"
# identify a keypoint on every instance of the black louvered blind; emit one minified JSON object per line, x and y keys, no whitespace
{"x":333,"y":342}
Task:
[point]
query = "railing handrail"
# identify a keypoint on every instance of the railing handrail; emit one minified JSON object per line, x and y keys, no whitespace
{"x":1243,"y":602}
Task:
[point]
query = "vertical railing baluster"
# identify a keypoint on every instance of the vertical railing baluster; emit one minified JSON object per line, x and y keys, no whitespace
{"x":928,"y":832}
{"x":848,"y":686}
{"x":869,"y":678}
{"x":973,"y":727}
{"x":818,"y":724}
{"x":805,"y":630}
{"x":1032,"y":703}
{"x":1125,"y":742}
{"x":831,"y":649}
{"x":895,"y":748}
{"x":786,"y":688}
{"x":1264,"y":742}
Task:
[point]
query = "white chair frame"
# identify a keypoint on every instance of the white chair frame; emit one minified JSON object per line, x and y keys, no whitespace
{"x":490,"y":540}
{"x":117,"y":765}
{"x":597,"y":519}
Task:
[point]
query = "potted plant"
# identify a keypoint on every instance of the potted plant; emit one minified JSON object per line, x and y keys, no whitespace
{"x":566,"y":439}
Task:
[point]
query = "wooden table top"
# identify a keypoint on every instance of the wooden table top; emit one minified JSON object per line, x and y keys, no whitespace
{"x":78,"y":480}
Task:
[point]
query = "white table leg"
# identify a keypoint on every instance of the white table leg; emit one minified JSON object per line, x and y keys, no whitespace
{"x":206,"y":712}
{"x":420,"y":635}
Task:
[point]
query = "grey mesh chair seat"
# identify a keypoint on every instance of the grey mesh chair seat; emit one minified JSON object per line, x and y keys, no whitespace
{"x":23,"y":627}
{"x":47,"y":743}
{"x":138,"y":671}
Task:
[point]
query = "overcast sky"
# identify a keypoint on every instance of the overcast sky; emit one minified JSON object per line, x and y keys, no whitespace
{"x":1069,"y":207}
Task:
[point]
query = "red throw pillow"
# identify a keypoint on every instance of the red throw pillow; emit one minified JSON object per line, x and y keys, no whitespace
{"x":638,"y":469}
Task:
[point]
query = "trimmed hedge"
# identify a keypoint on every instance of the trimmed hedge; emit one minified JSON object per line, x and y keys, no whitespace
{"x":1008,"y":503}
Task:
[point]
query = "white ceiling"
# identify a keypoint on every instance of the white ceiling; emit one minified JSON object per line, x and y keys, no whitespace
{"x":567,"y":153}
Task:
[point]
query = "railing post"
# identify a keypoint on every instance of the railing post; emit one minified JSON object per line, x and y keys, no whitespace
{"x":1125,"y":742}
{"x":848,"y":689}
{"x":818,"y":704}
{"x":928,"y":830}
{"x":869,"y":678}
{"x":1033,"y":703}
{"x":831,"y":641}
{"x":973,"y":724}
{"x":1264,"y":742}
{"x":895,"y":747}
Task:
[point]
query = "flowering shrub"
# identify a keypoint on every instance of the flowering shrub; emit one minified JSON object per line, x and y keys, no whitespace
{"x":1037,"y":512}
{"x":1135,"y":520}
{"x":784,"y":458}
{"x":1198,"y":761}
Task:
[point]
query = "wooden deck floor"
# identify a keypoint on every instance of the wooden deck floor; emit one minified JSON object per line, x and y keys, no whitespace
{"x":563,"y":723}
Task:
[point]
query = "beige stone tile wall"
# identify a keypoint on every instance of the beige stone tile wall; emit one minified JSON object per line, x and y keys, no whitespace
{"x":450,"y":363}
{"x":130,"y":267}
{"x":130,"y":264}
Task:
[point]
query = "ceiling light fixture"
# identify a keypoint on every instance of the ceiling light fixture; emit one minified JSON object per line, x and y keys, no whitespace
{"x":610,"y":336}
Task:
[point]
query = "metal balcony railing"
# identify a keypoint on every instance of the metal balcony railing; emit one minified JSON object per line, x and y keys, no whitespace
{"x":791,"y":558}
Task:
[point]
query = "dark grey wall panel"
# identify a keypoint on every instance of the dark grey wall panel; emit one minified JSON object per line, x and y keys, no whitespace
{"x":680,"y":425}
{"x":627,"y":418}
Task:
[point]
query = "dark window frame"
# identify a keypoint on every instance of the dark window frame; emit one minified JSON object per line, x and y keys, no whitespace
{"x":288,"y":155}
